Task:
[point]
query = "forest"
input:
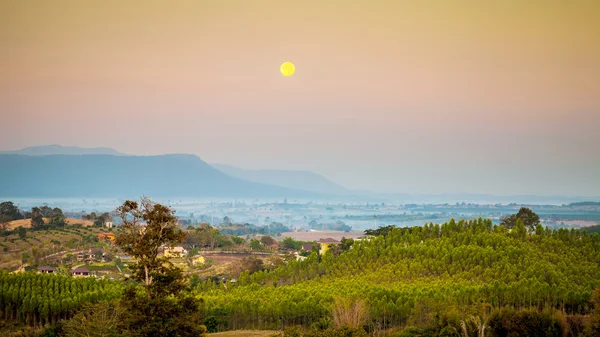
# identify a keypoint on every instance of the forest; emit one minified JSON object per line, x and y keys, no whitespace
{"x":459,"y":278}
{"x":429,"y":278}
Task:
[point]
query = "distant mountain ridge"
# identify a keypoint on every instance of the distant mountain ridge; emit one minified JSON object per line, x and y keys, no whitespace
{"x":126,"y":176}
{"x":46,"y":150}
{"x":301,"y":180}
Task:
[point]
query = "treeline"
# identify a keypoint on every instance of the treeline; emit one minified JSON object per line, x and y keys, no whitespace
{"x":415,"y":276}
{"x":239,"y":229}
{"x":41,"y":299}
{"x":584,"y":203}
{"x":338,"y":225}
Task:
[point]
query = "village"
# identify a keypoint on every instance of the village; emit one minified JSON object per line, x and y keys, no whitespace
{"x":221,"y":263}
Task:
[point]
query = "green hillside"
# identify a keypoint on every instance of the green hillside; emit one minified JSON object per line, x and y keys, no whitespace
{"x":420,"y":276}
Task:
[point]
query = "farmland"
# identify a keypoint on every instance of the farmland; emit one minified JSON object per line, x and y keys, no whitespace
{"x":42,"y":246}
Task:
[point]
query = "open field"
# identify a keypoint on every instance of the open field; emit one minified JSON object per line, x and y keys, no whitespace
{"x":27,"y":223}
{"x":317,"y":235}
{"x":244,"y":333}
{"x":222,"y":258}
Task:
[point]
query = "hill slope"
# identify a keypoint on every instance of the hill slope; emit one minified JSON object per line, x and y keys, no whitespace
{"x":45,"y":150}
{"x":125,"y":176}
{"x":302,"y":180}
{"x":420,"y":272}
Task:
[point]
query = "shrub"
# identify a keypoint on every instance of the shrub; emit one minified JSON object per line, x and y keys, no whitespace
{"x":408,"y":332}
{"x":292,"y":332}
{"x":343,"y":332}
{"x":211,"y":324}
{"x":509,"y":322}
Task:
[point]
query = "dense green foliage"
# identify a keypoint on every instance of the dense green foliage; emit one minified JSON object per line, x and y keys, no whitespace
{"x":526,"y":215}
{"x":38,"y":299}
{"x":9,"y":212}
{"x":412,"y":275}
{"x":593,"y":229}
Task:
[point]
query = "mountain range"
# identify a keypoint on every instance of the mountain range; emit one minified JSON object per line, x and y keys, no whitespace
{"x":126,"y":176}
{"x":45,"y":150}
{"x":218,"y":180}
{"x":300,"y":180}
{"x":70,"y":171}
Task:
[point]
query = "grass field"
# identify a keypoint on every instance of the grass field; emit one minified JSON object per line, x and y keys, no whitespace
{"x":244,"y":333}
{"x":27,"y":223}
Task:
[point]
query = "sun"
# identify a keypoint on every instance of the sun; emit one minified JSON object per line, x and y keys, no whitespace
{"x":287,"y":69}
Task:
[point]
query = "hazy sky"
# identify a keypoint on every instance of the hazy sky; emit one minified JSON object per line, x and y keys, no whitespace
{"x":497,"y":97}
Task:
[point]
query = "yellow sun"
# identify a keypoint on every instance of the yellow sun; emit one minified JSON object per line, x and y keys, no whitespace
{"x":287,"y":69}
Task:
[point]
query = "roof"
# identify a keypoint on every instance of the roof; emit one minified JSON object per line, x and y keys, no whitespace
{"x":175,"y":249}
{"x":329,"y":240}
{"x":97,"y":249}
{"x":47,"y":268}
{"x":80,"y":270}
{"x":307,"y":246}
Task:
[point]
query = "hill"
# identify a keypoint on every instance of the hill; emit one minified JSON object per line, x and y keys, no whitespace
{"x":301,"y":180}
{"x":126,"y":176}
{"x":430,"y":277}
{"x":45,"y":150}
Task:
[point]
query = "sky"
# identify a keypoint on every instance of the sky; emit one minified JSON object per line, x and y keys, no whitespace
{"x":499,"y":97}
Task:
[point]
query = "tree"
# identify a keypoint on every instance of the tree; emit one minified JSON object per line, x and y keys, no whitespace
{"x":383,"y":230}
{"x":57,"y":218}
{"x":10,"y":211}
{"x":529,"y":218}
{"x":289,"y":243}
{"x":101,"y":220}
{"x":255,"y":244}
{"x":165,"y":309}
{"x":36,"y":217}
{"x":346,"y":244}
{"x":101,"y":319}
{"x":22,"y":232}
{"x":4,"y":220}
{"x":267,"y":240}
{"x":46,"y":211}
{"x":594,"y":324}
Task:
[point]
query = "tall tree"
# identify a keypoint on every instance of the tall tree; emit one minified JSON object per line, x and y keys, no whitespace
{"x":36,"y":217}
{"x":165,"y":309}
{"x":529,"y":218}
{"x":10,"y":211}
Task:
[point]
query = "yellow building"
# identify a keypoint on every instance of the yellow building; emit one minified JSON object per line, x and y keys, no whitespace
{"x":326,"y":243}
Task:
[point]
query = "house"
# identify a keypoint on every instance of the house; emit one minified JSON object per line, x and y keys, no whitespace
{"x":95,"y":251}
{"x":47,"y":270}
{"x":307,"y":247}
{"x":106,"y":236}
{"x":108,"y":224}
{"x":176,"y":251}
{"x":326,"y":243}
{"x":80,"y":272}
